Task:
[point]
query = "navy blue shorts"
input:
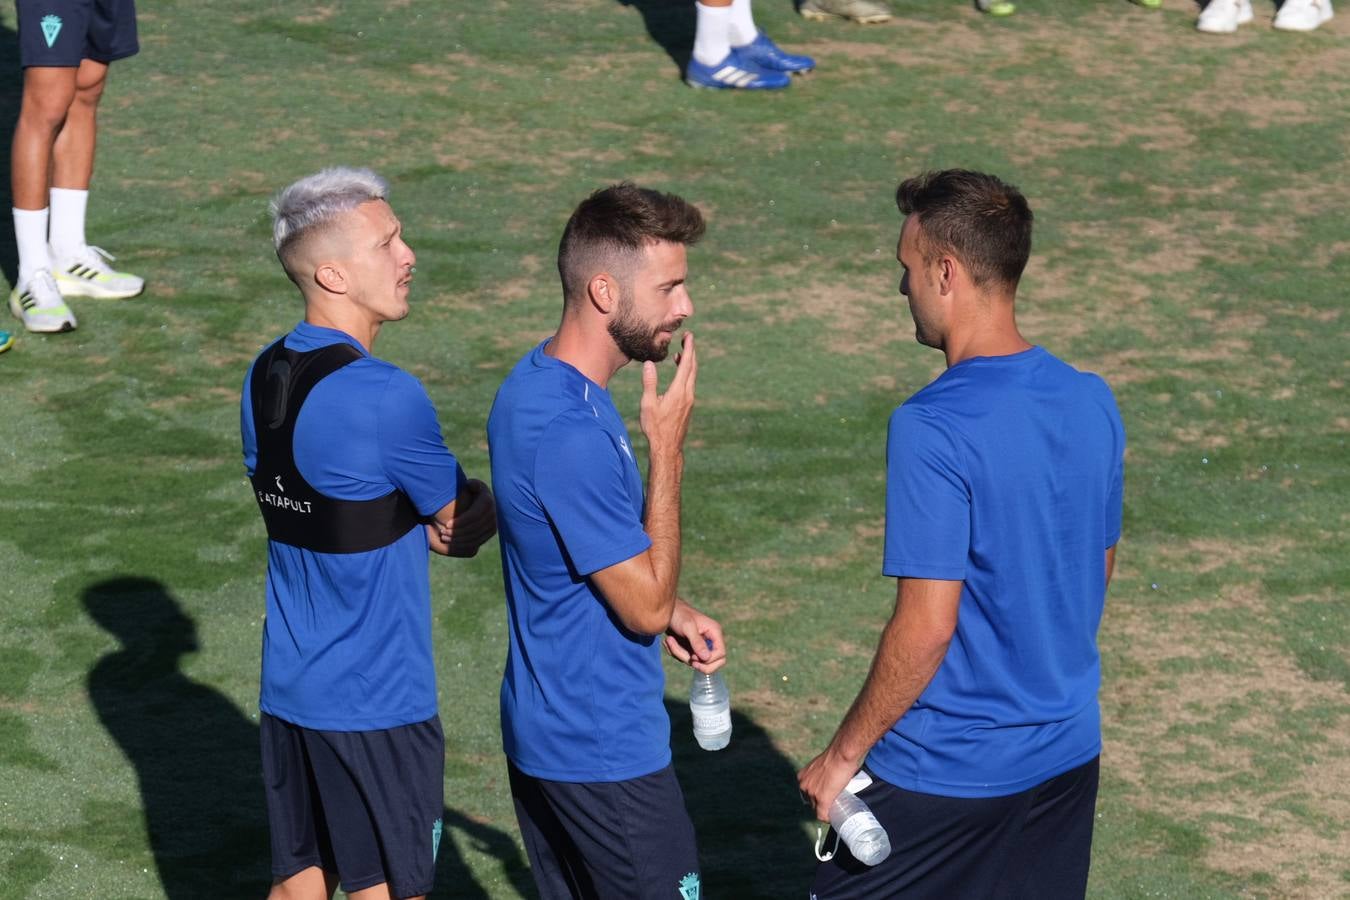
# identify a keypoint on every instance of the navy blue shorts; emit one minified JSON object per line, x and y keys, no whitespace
{"x":364,"y":804}
{"x":62,"y":33}
{"x":602,"y":840}
{"x":1034,"y":845}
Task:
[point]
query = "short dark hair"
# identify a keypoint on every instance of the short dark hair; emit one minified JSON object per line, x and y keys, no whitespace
{"x":617,"y":222}
{"x":979,"y":219}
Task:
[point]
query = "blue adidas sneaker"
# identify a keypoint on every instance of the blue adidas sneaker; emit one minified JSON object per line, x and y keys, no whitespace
{"x":6,"y":341}
{"x":767,"y":55}
{"x":734,"y":71}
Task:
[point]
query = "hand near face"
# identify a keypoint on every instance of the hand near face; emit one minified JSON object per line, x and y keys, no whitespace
{"x":665,"y":417}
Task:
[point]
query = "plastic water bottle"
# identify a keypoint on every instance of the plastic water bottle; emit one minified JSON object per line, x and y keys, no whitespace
{"x":710,"y":706}
{"x":859,"y":829}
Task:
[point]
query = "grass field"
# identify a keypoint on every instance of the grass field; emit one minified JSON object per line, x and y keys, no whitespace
{"x":1191,"y":246}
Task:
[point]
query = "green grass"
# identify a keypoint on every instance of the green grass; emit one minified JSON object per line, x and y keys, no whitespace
{"x":1190,"y":246}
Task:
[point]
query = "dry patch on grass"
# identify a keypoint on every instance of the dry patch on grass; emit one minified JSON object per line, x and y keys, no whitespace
{"x":1046,"y":138}
{"x":848,"y":310}
{"x":527,"y":284}
{"x":788,"y":714}
{"x":1202,"y":555}
{"x":1304,"y":198}
{"x":1202,"y":736}
{"x":1217,"y":364}
{"x":819,"y":563}
{"x":1231,"y":91}
{"x":1173,"y":243}
{"x":1229,"y":322}
{"x":1042,"y":137}
{"x":316,"y":14}
{"x":1186,"y":194}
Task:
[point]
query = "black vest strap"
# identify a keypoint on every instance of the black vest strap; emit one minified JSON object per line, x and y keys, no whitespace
{"x":294,"y":512}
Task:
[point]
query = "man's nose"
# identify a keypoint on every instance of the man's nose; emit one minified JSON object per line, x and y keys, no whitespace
{"x":684,"y":305}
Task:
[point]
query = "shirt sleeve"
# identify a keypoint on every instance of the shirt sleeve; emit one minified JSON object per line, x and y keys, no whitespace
{"x":927,"y":500}
{"x":1115,"y":495}
{"x":412,"y":451}
{"x":579,"y":478}
{"x":247,"y":435}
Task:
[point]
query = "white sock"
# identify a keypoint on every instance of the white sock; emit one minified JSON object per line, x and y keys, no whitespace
{"x":743,"y":29}
{"x":30,"y":233}
{"x":712,"y":40}
{"x":67,"y":227}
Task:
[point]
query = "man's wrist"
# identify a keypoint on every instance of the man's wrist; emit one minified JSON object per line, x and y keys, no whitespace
{"x":677,"y":613}
{"x":668,"y":461}
{"x":672,"y":455}
{"x":845,"y":752}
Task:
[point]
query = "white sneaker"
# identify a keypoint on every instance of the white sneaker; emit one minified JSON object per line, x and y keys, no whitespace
{"x":1302,"y":15}
{"x":1224,"y":16}
{"x":86,"y":273}
{"x":39,"y":305}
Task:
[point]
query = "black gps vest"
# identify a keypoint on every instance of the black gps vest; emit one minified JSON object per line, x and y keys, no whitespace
{"x":294,"y":512}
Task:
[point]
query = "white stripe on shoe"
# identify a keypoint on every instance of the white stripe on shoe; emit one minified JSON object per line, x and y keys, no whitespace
{"x":733,"y":76}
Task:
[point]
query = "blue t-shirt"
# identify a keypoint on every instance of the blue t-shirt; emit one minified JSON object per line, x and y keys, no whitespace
{"x":1005,"y":473}
{"x":582,"y":696}
{"x":347,"y":639}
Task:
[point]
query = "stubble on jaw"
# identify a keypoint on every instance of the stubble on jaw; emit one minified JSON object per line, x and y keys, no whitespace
{"x":635,"y":339}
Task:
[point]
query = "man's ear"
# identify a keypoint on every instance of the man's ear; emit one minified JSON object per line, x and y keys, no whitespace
{"x":603,"y":291}
{"x":947,"y":272}
{"x":331,"y":278}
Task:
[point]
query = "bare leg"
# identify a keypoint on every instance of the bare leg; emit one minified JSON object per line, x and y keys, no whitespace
{"x":73,"y":153}
{"x":307,"y":884}
{"x":48,"y":93}
{"x":378,"y":892}
{"x":315,"y":884}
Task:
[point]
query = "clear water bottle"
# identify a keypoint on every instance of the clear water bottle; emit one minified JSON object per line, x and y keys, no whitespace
{"x":710,"y":706}
{"x":859,"y":829}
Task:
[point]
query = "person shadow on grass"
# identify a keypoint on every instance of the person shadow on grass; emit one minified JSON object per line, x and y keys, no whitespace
{"x":747,"y":811}
{"x":196,"y":755}
{"x":671,"y":23}
{"x":11,"y":96}
{"x":198,"y":763}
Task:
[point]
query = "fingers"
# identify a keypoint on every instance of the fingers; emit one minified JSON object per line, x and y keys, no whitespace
{"x":475,"y":518}
{"x":712,"y":633}
{"x":648,"y":381}
{"x":691,"y":642}
{"x":676,"y":649}
{"x":474,"y":521}
{"x":822,"y":780}
{"x":686,"y":363}
{"x":807,"y":782}
{"x":707,"y":668}
{"x":466,"y":533}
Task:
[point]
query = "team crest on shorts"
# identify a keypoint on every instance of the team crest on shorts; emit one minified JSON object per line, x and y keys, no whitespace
{"x":690,"y":888}
{"x":51,"y":27}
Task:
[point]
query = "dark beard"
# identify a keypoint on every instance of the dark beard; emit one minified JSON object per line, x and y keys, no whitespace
{"x":635,"y":340}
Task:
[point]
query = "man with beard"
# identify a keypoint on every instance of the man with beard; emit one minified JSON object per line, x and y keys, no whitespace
{"x":590,"y":573}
